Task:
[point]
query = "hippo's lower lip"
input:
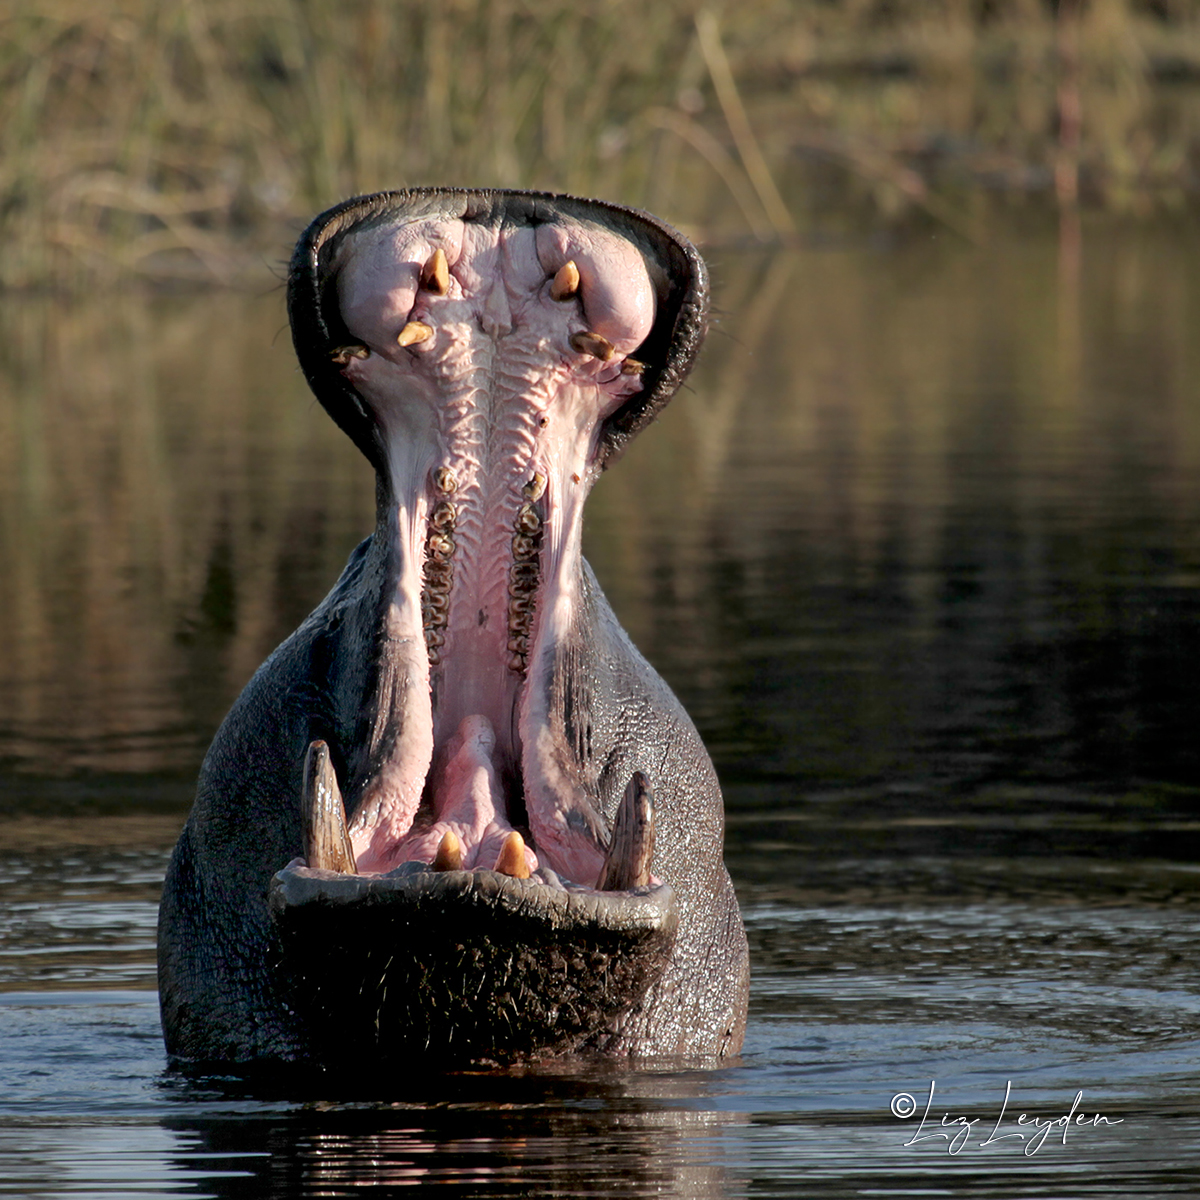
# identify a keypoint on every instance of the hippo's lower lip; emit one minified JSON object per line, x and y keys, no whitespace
{"x":418,"y":964}
{"x":432,"y":958}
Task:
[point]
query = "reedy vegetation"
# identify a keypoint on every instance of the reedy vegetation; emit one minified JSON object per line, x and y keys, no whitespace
{"x":188,"y":138}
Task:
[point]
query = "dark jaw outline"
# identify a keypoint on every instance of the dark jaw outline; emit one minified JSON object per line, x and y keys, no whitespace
{"x":669,"y":352}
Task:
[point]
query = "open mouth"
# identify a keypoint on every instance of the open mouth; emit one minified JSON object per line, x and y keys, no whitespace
{"x":474,"y":858}
{"x":490,"y":352}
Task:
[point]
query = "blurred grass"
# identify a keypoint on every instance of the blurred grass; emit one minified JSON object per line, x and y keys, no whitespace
{"x":187,"y":139}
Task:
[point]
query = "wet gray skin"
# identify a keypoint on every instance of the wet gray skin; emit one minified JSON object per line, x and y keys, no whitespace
{"x":456,"y":817}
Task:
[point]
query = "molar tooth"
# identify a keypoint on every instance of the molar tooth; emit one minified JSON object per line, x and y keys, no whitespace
{"x":449,"y":855}
{"x":445,"y":480}
{"x":516,"y":663}
{"x":566,"y":281}
{"x":511,"y":860}
{"x":326,"y":842}
{"x":595,"y":344}
{"x":535,"y":489}
{"x":631,"y":849}
{"x":632,"y":366}
{"x":523,"y":545}
{"x":527,"y":519}
{"x":435,"y":274}
{"x":343,"y":354}
{"x":413,"y":333}
{"x":443,"y":516}
{"x":440,"y":545}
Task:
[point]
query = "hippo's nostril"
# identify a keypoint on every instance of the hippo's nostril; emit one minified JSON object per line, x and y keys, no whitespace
{"x":566,"y":281}
{"x":435,"y":274}
{"x":414,"y":333}
{"x":594,"y":344}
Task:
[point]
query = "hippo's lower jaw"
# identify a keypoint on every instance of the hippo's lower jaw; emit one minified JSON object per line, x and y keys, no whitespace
{"x":430,"y":961}
{"x":465,"y":966}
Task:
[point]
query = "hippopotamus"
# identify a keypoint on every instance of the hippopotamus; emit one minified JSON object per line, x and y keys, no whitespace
{"x":457,"y":818}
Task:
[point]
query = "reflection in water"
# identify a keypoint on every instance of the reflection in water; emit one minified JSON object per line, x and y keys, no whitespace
{"x":638,"y":1135}
{"x":168,"y":499}
{"x":893,"y":532}
{"x":920,"y":550}
{"x":927,"y":557}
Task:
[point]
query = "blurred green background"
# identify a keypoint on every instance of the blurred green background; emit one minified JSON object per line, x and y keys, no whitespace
{"x":187,"y":139}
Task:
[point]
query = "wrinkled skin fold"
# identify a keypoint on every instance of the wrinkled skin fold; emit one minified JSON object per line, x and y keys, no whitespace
{"x":456,"y":817}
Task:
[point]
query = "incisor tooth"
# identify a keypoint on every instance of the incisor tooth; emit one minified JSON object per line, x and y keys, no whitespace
{"x":631,"y":366}
{"x":326,"y":842}
{"x":449,"y":855}
{"x":414,"y":332}
{"x":566,"y":281}
{"x":631,"y":849}
{"x":511,"y":859}
{"x":594,"y":344}
{"x":343,"y":354}
{"x":435,"y":274}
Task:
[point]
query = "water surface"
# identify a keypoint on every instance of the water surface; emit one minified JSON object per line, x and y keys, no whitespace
{"x":920,"y":550}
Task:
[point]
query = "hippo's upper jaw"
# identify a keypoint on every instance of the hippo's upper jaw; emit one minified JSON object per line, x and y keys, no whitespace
{"x":506,"y":757}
